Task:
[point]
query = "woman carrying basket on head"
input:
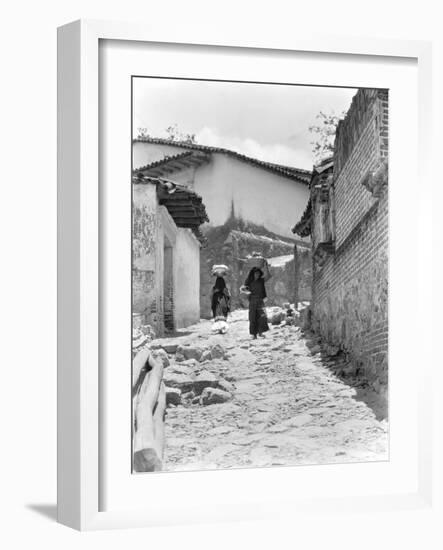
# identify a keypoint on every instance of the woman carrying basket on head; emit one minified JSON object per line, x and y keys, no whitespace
{"x":255,"y":288}
{"x":220,"y":300}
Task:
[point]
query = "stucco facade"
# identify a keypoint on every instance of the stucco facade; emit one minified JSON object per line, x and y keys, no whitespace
{"x":230,"y":186}
{"x":186,"y":279}
{"x":165,"y":265}
{"x":240,"y":194}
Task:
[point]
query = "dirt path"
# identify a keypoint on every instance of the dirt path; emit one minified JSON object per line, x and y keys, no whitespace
{"x":287,"y":408}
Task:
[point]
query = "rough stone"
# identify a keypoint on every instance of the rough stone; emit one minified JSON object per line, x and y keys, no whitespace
{"x":306,"y":408}
{"x":220,"y":451}
{"x":210,"y":396}
{"x":218,"y":351}
{"x":225,"y":385}
{"x":278,"y":428}
{"x":221,"y":430}
{"x":305,"y":318}
{"x":264,"y":361}
{"x":248,"y":439}
{"x":300,"y":420}
{"x":170,"y":345}
{"x":191,"y":363}
{"x":190,"y":352}
{"x":175,"y":380}
{"x":173,"y":396}
{"x":206,"y":356}
{"x":204,"y":380}
{"x":276,"y":317}
{"x":331,"y":350}
{"x":189,"y":396}
{"x":180,"y":368}
{"x":261,"y":417}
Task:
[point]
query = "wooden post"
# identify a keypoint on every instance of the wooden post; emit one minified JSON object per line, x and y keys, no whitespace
{"x":297,"y":274}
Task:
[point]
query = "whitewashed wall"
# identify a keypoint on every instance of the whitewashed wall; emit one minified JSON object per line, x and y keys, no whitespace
{"x":186,"y":279}
{"x":258,"y":196}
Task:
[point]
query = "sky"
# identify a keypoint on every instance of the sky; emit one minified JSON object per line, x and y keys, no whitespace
{"x":269,"y":122}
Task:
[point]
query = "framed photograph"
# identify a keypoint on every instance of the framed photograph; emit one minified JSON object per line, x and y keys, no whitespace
{"x":241,"y":224}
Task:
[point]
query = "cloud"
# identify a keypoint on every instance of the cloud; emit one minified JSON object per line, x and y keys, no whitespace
{"x":268,"y":122}
{"x":279,"y":153}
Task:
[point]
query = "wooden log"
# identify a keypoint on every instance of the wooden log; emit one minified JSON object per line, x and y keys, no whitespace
{"x":159,"y":422}
{"x":148,"y":434}
{"x":140,"y":366}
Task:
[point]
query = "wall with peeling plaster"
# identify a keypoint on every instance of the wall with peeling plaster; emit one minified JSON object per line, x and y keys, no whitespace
{"x":160,"y":295}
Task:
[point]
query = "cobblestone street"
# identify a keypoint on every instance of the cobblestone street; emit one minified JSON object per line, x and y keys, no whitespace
{"x":288,"y":406}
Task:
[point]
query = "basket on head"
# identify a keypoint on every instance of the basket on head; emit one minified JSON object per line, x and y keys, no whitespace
{"x":255,"y":260}
{"x":220,"y":270}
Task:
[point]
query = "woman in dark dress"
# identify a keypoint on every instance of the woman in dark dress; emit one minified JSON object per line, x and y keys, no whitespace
{"x":255,"y":286}
{"x":221,"y":299}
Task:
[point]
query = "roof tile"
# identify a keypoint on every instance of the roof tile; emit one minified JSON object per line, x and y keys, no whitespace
{"x":296,"y":174}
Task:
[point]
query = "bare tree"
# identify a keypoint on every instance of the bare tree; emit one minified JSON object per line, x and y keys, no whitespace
{"x":174,"y":134}
{"x":324,"y":134}
{"x":142,"y":133}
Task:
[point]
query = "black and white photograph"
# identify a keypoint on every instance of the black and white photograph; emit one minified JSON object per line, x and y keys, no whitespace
{"x":222,"y":276}
{"x":259,"y":274}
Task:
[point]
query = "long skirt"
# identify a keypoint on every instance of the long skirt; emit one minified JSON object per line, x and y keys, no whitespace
{"x":220,"y":305}
{"x":258,"y":322}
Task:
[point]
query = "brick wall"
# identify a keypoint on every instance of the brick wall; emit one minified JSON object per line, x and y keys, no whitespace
{"x":361,"y":143}
{"x":350,"y":284}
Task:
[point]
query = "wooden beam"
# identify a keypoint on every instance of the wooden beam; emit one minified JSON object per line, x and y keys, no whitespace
{"x":158,"y":172}
{"x":182,"y":213}
{"x":186,"y":222}
{"x":167,"y":201}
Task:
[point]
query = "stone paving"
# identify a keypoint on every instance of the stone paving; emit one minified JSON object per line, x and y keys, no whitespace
{"x":287,"y":406}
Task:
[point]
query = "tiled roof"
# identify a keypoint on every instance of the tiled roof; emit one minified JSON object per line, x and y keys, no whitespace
{"x":318,"y":178}
{"x":183,"y":204}
{"x":323,"y":165}
{"x":296,"y":174}
{"x":303,"y":227}
{"x":172,"y":163}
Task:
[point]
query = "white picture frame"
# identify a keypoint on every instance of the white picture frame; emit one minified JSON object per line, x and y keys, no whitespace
{"x":79,"y":412}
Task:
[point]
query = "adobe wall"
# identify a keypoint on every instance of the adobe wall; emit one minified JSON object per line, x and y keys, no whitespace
{"x":230,"y":186}
{"x":165,"y":266}
{"x":147,"y":257}
{"x":187,"y":279}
